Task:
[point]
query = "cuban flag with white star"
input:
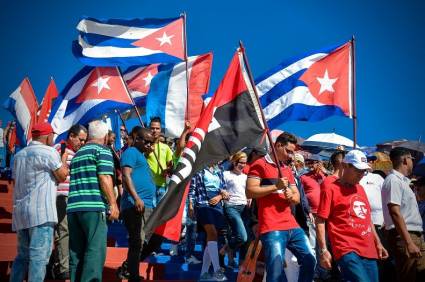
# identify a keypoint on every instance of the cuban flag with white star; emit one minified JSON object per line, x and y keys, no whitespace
{"x":308,"y":88}
{"x":118,"y":42}
{"x":89,"y":95}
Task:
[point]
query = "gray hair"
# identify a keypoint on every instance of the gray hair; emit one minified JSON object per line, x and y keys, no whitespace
{"x":98,"y":129}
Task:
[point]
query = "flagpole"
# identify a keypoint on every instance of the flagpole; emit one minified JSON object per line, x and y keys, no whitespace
{"x":248,"y":68}
{"x":131,"y":98}
{"x":353,"y":90}
{"x":122,"y":119}
{"x":187,"y":65}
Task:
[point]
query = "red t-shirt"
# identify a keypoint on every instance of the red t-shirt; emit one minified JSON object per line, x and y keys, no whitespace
{"x":311,"y":183}
{"x":347,"y":213}
{"x":274,"y":211}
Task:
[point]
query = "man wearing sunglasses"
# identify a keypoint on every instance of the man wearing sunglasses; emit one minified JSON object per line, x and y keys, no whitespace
{"x":138,"y":196}
{"x":402,"y":219}
{"x":346,"y":211}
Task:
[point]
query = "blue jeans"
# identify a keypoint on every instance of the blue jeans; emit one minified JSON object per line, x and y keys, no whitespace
{"x":237,"y":218}
{"x":356,"y":268}
{"x":34,"y":249}
{"x":159,"y":193}
{"x":296,"y":241}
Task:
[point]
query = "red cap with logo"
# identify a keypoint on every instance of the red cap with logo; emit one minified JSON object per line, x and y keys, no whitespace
{"x":41,"y":129}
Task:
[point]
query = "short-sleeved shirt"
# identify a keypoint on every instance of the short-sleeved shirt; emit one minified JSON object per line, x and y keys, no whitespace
{"x":236,"y":184}
{"x":141,"y":176}
{"x":63,"y":187}
{"x":372,"y":184}
{"x":347,"y":214}
{"x":164,"y":155}
{"x":274,"y":211}
{"x":311,"y":183}
{"x":396,"y":190}
{"x":85,"y":193}
{"x":34,"y":193}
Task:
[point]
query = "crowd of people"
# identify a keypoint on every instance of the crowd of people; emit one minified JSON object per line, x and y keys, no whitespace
{"x":316,"y":221}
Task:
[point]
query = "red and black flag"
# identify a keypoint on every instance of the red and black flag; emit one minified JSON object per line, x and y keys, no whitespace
{"x":231,"y":121}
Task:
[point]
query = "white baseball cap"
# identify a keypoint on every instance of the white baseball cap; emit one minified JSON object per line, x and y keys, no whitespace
{"x":298,"y":158}
{"x":357,"y":158}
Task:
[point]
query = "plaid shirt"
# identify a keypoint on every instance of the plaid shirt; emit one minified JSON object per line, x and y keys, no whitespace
{"x":197,"y":190}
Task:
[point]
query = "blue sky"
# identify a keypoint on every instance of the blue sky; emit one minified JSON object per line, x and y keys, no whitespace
{"x":390,"y":49}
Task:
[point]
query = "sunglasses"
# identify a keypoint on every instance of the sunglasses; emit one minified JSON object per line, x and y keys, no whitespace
{"x":242,"y":163}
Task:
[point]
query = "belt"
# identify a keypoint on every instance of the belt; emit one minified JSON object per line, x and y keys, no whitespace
{"x":394,"y":232}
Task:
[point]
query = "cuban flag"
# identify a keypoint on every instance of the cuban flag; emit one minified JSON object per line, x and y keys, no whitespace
{"x":91,"y":94}
{"x":311,"y":88}
{"x":22,"y":104}
{"x":162,"y":89}
{"x":117,"y":42}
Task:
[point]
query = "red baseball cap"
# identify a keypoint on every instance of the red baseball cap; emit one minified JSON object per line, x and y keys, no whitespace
{"x":41,"y":129}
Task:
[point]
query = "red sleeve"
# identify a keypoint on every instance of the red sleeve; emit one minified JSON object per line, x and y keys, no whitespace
{"x":324,"y":209}
{"x":256,"y":169}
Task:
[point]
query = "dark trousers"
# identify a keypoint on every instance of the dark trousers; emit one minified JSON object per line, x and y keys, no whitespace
{"x":408,"y":268}
{"x":134,"y":222}
{"x":87,"y":245}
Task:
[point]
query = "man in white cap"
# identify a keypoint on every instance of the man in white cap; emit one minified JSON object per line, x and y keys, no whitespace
{"x":346,"y":210}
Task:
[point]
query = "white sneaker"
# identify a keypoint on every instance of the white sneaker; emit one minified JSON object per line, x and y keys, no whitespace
{"x":193,"y":260}
{"x":219,"y":276}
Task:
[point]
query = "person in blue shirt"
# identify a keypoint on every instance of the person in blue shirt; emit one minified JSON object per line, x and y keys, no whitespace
{"x":137,"y":199}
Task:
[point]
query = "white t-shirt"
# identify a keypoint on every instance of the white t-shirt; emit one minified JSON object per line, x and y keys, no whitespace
{"x":372,"y":185}
{"x":236,"y":187}
{"x":396,"y":190}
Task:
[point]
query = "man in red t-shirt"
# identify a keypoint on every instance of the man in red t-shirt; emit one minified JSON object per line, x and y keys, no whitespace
{"x":278,"y":228}
{"x":346,"y":211}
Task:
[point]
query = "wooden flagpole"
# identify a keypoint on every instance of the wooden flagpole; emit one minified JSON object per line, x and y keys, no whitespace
{"x":248,"y":69}
{"x":187,"y":65}
{"x":131,"y":97}
{"x":353,"y":91}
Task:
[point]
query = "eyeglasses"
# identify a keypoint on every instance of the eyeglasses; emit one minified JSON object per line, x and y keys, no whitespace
{"x":359,"y":171}
{"x":242,"y":163}
{"x":145,"y":141}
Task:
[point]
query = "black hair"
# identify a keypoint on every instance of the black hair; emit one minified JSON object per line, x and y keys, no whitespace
{"x":397,"y":154}
{"x":334,"y":157}
{"x":135,"y":130}
{"x":286,"y":138}
{"x":155,"y":119}
{"x":76,"y":129}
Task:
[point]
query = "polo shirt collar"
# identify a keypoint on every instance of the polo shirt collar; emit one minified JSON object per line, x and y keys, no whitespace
{"x":400,"y":175}
{"x":35,"y":143}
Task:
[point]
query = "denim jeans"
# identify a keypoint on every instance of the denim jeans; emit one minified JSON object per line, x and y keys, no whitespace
{"x":159,"y":193}
{"x":34,"y":249}
{"x":296,"y":241}
{"x":237,"y":217}
{"x":356,"y":268}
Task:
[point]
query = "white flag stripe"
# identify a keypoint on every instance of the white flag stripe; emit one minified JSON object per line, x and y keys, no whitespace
{"x":175,"y":108}
{"x":300,"y":94}
{"x":22,"y":111}
{"x":268,"y":83}
{"x":113,"y":52}
{"x":118,"y":31}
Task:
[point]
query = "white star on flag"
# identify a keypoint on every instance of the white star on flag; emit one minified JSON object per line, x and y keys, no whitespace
{"x":165,"y":39}
{"x":326,"y":83}
{"x":101,"y":83}
{"x":148,"y":79}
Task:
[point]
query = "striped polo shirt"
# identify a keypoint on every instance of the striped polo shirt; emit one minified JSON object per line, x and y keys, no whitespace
{"x":85,"y":193}
{"x":63,"y":187}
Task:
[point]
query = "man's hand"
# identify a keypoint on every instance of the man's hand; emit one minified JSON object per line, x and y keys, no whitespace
{"x":225,"y":195}
{"x":382,"y":252}
{"x":114,"y":212}
{"x":282,"y":183}
{"x":140,"y":205}
{"x":288,"y":194}
{"x":326,"y":259}
{"x":413,"y":251}
{"x":215,"y":200}
{"x":311,"y":217}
